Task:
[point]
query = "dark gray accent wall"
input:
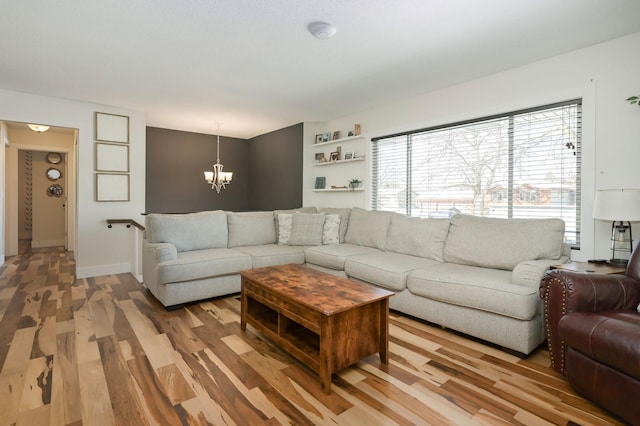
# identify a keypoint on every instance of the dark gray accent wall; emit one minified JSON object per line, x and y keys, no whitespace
{"x":275,"y":161}
{"x":175,"y":165}
{"x":267,"y":171}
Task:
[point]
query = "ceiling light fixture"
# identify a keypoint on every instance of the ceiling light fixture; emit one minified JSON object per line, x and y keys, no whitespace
{"x":321,"y":30}
{"x":38,"y":128}
{"x":217,"y":178}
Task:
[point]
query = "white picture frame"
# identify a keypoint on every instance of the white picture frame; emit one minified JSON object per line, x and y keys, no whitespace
{"x":112,"y":187}
{"x":112,"y":157}
{"x":112,"y":128}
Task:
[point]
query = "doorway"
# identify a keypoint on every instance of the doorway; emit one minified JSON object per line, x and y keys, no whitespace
{"x":40,"y":188}
{"x":42,"y":193}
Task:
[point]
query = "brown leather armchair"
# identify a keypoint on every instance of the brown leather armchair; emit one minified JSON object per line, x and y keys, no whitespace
{"x":593,"y":334}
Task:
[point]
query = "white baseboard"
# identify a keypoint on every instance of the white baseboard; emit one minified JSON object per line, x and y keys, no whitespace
{"x":46,"y":243}
{"x":100,"y":270}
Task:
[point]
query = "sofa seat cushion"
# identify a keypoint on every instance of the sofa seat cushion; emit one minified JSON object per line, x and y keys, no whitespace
{"x":485,"y":289}
{"x":333,"y":256}
{"x":609,"y":337}
{"x":199,"y":264}
{"x":384,"y":269}
{"x":273,"y":254}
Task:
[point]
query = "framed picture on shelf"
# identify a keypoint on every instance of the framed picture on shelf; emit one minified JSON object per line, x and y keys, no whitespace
{"x":351,"y":133}
{"x":349,"y":155}
{"x":326,"y":137}
{"x":336,"y":135}
{"x":321,"y":181}
{"x":356,"y":130}
{"x":319,"y":138}
{"x":320,"y":157}
{"x":335,"y":156}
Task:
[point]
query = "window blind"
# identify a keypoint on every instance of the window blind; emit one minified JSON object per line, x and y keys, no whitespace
{"x":522,"y":164}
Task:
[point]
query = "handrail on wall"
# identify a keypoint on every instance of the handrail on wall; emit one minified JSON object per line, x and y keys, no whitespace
{"x":128,"y":222}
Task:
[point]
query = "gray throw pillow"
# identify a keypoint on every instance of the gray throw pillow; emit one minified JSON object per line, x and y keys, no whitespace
{"x":306,"y":229}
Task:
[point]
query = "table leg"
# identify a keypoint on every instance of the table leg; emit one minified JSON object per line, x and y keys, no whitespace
{"x":326,"y":360}
{"x":384,"y":331}
{"x":243,"y":308}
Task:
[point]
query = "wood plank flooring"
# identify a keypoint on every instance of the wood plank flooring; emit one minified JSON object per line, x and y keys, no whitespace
{"x":102,"y":351}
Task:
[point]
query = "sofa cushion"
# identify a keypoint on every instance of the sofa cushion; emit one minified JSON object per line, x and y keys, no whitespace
{"x":199,"y":264}
{"x":384,"y":269}
{"x":332,"y":256}
{"x":191,"y":231}
{"x":251,"y":228}
{"x":331,"y":229}
{"x":502,"y":243}
{"x":418,"y":236}
{"x":368,"y":228}
{"x":273,"y":254}
{"x":344,"y":219}
{"x":306,"y":229}
{"x":485,"y":289}
{"x":610,"y":337}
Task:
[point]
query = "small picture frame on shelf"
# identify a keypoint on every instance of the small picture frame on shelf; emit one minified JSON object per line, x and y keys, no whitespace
{"x":351,"y":133}
{"x":320,"y":182}
{"x":326,"y":137}
{"x":319,"y":138}
{"x":335,"y":156}
{"x":357,"y":130}
{"x":320,"y":157}
{"x":349,"y":155}
{"x":336,"y":135}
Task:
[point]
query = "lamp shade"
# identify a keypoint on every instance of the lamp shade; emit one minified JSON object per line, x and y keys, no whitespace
{"x":617,"y":205}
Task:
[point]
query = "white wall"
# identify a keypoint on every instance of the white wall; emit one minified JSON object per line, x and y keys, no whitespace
{"x":603,"y":75}
{"x":3,"y":141}
{"x":98,"y":250}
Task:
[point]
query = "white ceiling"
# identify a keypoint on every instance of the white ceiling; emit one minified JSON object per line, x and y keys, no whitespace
{"x":252,"y":66}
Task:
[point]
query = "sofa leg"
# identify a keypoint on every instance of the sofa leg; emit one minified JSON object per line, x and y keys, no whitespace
{"x":174,"y":307}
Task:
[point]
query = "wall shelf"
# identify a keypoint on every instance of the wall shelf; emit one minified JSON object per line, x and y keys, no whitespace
{"x":338,"y":190}
{"x":327,"y":163}
{"x":341,"y":140}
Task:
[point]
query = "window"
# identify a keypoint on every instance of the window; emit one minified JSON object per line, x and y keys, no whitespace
{"x":523,"y":164}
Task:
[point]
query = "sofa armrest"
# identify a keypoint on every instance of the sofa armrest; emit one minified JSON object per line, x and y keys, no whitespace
{"x":162,"y":252}
{"x":530,"y":272}
{"x":564,"y":292}
{"x":152,"y":255}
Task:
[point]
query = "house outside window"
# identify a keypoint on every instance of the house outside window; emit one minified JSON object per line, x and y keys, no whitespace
{"x":522,"y":164}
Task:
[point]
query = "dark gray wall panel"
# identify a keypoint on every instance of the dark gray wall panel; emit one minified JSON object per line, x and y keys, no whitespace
{"x":275,"y":161}
{"x":175,"y":163}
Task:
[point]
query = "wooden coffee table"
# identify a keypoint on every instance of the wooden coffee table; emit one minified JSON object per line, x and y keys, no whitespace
{"x":325,"y":321}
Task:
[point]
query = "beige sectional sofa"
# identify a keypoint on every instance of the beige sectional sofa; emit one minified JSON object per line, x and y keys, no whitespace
{"x":477,"y":275}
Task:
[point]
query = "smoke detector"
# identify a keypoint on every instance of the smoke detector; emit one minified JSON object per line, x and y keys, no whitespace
{"x":321,"y":30}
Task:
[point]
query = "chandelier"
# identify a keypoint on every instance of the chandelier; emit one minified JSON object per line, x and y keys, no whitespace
{"x":217,"y":178}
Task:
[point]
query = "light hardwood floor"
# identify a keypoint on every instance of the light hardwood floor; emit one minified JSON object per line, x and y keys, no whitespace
{"x":102,"y":351}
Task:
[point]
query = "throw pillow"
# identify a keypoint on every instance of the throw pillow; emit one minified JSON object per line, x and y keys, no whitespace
{"x":331,"y":229}
{"x":306,"y":229}
{"x":284,"y":228}
{"x":344,"y":218}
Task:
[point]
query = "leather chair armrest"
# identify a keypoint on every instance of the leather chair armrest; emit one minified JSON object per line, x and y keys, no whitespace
{"x":564,"y":292}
